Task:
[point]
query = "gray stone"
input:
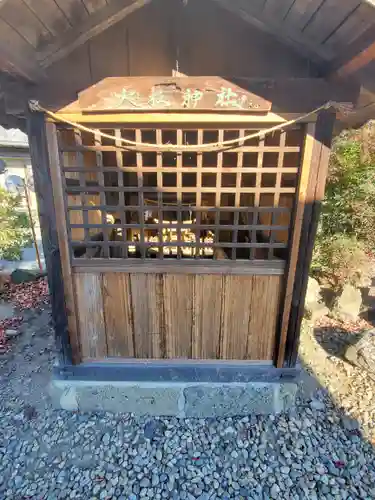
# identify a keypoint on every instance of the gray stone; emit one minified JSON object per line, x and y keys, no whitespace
{"x":317,"y":311}
{"x":145,"y":483}
{"x":275,"y":490}
{"x":348,"y":305}
{"x":153,"y":428}
{"x":225,"y":400}
{"x":9,"y":333}
{"x":362,"y":354}
{"x":314,"y":308}
{"x":106,"y":439}
{"x":312,"y":292}
{"x":6,"y":311}
{"x":315,"y":404}
{"x":142,"y":399}
{"x":172,"y":399}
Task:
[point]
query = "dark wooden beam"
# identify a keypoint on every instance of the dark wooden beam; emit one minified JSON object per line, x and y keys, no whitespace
{"x":48,"y":225}
{"x":90,"y":27}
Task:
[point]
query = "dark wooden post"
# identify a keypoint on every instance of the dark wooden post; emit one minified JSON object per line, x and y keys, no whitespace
{"x":315,"y":195}
{"x":36,"y":129}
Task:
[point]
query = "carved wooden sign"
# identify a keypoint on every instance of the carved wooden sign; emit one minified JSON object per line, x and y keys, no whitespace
{"x":170,"y":94}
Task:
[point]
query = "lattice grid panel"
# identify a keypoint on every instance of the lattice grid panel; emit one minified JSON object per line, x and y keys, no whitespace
{"x":229,"y":204}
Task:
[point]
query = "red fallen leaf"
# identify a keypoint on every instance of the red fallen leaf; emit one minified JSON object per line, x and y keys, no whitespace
{"x":339,"y":464}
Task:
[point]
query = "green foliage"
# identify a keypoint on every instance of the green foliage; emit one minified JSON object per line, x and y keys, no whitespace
{"x":338,"y":260}
{"x":346,"y":232}
{"x":349,"y":206}
{"x":14,"y":226}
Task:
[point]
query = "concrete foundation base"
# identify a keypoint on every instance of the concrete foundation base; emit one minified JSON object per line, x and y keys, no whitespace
{"x":175,"y":399}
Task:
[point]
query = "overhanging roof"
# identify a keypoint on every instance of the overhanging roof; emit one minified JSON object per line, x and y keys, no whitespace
{"x":338,"y":35}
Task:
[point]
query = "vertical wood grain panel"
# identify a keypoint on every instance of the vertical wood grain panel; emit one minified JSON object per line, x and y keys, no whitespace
{"x":62,"y":233}
{"x":118,"y":314}
{"x":146,"y":290}
{"x":178,"y":293}
{"x":301,"y":201}
{"x":207,"y":316}
{"x":91,"y":317}
{"x":265,"y":300}
{"x":237,"y":292}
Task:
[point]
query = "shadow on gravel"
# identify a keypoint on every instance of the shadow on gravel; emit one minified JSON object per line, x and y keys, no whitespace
{"x":336,"y":340}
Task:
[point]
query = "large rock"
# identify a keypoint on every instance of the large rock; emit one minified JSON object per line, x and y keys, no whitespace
{"x":348,"y":304}
{"x":362,"y":354}
{"x":314,"y":307}
{"x":313,"y":291}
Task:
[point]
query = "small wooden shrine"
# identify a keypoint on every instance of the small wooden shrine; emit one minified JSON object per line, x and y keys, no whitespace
{"x":179,"y":204}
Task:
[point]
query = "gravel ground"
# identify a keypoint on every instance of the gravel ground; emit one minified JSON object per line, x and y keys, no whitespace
{"x":315,"y":451}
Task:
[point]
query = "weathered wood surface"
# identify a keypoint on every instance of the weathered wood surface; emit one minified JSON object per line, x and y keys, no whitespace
{"x":48,"y":225}
{"x":62,"y":233}
{"x":265,"y":298}
{"x":284,"y":95}
{"x":91,"y":316}
{"x":207,"y":317}
{"x":147,"y":314}
{"x":118,"y":314}
{"x":236,"y":312}
{"x":178,"y":307}
{"x":315,"y":195}
{"x":155,"y":316}
{"x":171,"y":93}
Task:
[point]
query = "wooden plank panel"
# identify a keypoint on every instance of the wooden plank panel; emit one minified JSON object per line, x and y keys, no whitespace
{"x":237,"y":292}
{"x":50,"y":15}
{"x":178,"y":293}
{"x":328,"y":18}
{"x":146,"y":292}
{"x":91,"y":318}
{"x":301,"y":13}
{"x":74,"y":10}
{"x":150,"y":50}
{"x":215,"y":54}
{"x":118,"y":314}
{"x":94,"y":5}
{"x":111,"y":41}
{"x":265,"y":300}
{"x":276,"y":10}
{"x":207,"y":317}
{"x":24,"y":21}
{"x":354,"y":26}
{"x":17,"y":53}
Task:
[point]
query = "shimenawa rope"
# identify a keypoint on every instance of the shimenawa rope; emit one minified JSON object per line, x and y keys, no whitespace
{"x":211,"y":146}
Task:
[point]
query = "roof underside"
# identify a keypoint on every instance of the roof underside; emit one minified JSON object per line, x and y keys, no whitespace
{"x":337,"y":35}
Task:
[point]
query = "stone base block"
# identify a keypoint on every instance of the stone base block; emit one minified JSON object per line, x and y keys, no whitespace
{"x":175,"y":399}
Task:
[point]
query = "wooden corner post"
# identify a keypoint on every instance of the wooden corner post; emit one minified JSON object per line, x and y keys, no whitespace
{"x":44,"y":159}
{"x":313,"y":174}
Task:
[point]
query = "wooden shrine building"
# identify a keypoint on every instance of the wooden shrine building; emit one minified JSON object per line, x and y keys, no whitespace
{"x":180,"y":150}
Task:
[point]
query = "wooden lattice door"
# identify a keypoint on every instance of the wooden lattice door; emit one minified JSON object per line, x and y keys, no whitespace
{"x":179,"y":253}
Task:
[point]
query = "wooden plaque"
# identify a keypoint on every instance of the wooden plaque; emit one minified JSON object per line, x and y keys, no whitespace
{"x":170,"y":94}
